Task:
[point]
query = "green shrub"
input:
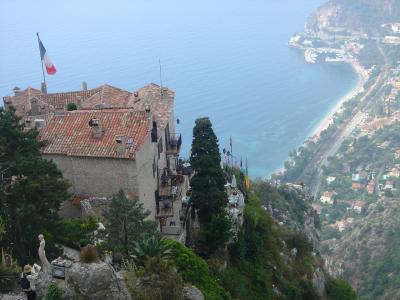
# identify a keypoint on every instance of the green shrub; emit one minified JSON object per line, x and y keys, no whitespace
{"x":71,"y":106}
{"x":195,"y":270}
{"x":89,"y":254}
{"x":75,"y":233}
{"x":159,"y":280}
{"x":339,"y":289}
{"x":53,"y":292}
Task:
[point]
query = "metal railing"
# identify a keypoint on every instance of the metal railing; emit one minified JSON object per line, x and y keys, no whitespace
{"x":174,"y":143}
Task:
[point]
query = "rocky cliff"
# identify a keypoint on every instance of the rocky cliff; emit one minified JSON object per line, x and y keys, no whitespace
{"x":369,"y":255}
{"x":354,"y":16}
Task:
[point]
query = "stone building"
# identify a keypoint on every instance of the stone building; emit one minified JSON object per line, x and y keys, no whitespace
{"x":116,"y":139}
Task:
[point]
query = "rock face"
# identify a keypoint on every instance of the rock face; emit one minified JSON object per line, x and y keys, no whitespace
{"x":292,"y":209}
{"x":192,"y":293}
{"x":89,"y":281}
{"x":355,"y":15}
{"x":368,"y":255}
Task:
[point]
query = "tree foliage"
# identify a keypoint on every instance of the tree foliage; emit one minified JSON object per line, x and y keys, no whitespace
{"x":127,"y":223}
{"x":339,"y":289}
{"x":71,"y":106}
{"x":209,"y":197}
{"x":32,"y":188}
{"x":153,"y":246}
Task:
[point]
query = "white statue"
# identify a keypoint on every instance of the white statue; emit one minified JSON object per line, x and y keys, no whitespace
{"x":42,"y":254}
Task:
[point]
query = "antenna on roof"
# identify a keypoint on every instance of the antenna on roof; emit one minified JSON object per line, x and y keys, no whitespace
{"x":161,"y":87}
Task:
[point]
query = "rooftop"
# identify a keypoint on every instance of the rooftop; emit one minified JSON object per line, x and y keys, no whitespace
{"x":160,"y":100}
{"x":71,"y":134}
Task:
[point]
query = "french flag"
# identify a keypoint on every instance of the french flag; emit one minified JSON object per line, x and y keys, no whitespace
{"x":50,"y":68}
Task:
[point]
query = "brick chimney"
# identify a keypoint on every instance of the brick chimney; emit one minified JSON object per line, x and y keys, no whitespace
{"x":16,"y":90}
{"x":97,"y":130}
{"x":136,"y":97}
{"x":121,"y":145}
{"x":34,"y":107}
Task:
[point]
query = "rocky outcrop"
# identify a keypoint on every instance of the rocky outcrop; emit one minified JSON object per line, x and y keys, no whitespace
{"x":192,"y":293}
{"x":88,"y":281}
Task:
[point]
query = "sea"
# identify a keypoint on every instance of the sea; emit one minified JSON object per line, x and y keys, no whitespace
{"x":226,"y":59}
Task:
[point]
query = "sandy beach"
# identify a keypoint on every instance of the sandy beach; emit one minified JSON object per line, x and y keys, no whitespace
{"x":363,"y":78}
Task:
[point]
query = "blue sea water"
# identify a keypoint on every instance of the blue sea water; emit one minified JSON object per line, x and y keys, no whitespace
{"x":225,"y":59}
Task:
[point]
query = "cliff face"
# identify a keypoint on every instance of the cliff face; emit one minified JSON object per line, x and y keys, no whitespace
{"x":364,"y":16}
{"x":369,"y":255}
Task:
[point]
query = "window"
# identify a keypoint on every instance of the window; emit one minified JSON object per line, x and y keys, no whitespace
{"x":154,"y":167}
{"x":160,"y":148}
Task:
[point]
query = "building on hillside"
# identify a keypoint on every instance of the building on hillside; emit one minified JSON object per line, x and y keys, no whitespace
{"x":356,"y":186}
{"x":115,"y":140}
{"x":330,"y":179}
{"x":358,"y":206}
{"x":371,"y":187}
{"x":397,"y":154}
{"x":343,"y":224}
{"x":318,"y":208}
{"x":355,"y":177}
{"x":388,"y":185}
{"x":327,"y":197}
{"x":395,"y":172}
{"x":235,"y":204}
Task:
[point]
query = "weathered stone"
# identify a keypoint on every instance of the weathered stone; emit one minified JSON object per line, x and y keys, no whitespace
{"x":87,"y":281}
{"x":192,"y":293}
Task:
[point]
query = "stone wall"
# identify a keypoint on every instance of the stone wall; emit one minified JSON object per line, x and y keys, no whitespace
{"x":100,"y":177}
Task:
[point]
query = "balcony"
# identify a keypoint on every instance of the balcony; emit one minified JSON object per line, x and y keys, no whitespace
{"x":165,"y":207}
{"x":184,"y":168}
{"x":174,"y":144}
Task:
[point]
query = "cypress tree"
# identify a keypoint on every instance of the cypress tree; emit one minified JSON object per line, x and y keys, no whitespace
{"x":32,"y":188}
{"x":208,"y":193}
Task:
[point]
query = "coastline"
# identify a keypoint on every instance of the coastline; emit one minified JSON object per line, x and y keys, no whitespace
{"x":337,"y":108}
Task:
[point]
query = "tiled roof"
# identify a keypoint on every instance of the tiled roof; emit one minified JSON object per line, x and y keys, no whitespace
{"x":161,"y":101}
{"x":103,"y":96}
{"x":161,"y":105}
{"x":71,"y":134}
{"x":61,"y":100}
{"x":107,"y":96}
{"x":21,"y":101}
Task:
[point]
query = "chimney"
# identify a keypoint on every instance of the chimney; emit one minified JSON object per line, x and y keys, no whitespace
{"x":120,"y":140}
{"x":43,"y":88}
{"x":148,"y":110}
{"x":97,"y":130}
{"x":34,"y":107}
{"x":16,"y":90}
{"x":39,"y":123}
{"x":136,"y":95}
{"x":84,"y":86}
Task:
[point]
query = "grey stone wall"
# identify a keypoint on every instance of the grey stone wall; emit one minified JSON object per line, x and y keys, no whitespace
{"x":100,"y":177}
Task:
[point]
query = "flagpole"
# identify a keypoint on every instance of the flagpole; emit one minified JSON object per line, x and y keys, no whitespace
{"x":230,"y":143}
{"x":41,"y":61}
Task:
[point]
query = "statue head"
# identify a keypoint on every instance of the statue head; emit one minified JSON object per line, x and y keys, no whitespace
{"x":41,"y":237}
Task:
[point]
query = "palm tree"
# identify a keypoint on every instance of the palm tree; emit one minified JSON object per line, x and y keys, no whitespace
{"x":151,"y":247}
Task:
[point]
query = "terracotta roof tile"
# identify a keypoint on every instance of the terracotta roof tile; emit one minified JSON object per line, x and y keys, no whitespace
{"x":105,"y":95}
{"x":161,"y":105}
{"x":71,"y":134}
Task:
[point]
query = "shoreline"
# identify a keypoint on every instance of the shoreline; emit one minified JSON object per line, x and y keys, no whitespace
{"x":337,"y":108}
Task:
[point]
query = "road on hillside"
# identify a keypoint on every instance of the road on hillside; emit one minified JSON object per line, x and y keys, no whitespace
{"x":329,"y":149}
